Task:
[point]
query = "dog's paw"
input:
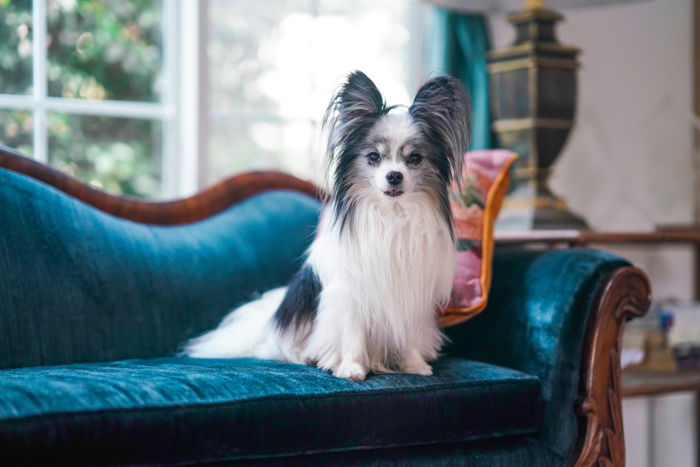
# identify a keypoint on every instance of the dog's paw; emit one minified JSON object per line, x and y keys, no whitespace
{"x":350,"y":370}
{"x":418,"y":369}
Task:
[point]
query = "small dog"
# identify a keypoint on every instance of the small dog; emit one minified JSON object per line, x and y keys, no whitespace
{"x":383,"y":258}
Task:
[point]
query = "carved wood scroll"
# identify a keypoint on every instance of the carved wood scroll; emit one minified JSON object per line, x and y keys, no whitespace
{"x":626,"y":295}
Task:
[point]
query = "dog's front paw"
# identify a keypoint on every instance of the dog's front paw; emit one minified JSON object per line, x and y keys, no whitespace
{"x":350,"y":370}
{"x":418,"y":369}
{"x":415,"y":364}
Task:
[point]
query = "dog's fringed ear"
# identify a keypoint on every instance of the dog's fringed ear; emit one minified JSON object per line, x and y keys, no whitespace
{"x":358,"y":98}
{"x":351,"y":113}
{"x":442,"y":112}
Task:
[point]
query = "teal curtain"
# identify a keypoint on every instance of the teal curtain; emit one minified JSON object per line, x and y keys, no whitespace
{"x":457,"y":44}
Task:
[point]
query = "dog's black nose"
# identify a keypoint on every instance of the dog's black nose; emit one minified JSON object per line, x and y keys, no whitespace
{"x":394,"y":178}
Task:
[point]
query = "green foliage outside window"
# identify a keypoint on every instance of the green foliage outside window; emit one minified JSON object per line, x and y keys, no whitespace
{"x":15,"y":46}
{"x":104,"y":49}
{"x":96,"y":49}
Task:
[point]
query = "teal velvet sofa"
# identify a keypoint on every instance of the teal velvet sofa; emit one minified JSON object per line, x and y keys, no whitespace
{"x":98,"y":294}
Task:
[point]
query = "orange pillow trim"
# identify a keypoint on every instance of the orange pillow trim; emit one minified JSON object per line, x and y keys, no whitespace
{"x":494,"y":200}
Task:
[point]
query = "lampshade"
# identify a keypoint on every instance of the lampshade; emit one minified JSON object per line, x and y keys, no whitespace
{"x":510,"y":6}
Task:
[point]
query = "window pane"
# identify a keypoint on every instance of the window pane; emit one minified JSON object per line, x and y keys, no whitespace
{"x":283,"y":59}
{"x":238,"y":146}
{"x":15,"y":46}
{"x":118,"y":155}
{"x":363,"y":35}
{"x":16,"y":130}
{"x":257,"y":51}
{"x":105,"y":49}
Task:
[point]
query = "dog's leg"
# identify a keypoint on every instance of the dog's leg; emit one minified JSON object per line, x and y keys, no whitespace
{"x":413,"y":363}
{"x":353,"y":359}
{"x":337,"y":342}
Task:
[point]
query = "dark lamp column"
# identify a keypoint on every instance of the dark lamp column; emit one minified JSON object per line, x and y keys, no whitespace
{"x":533,"y":103}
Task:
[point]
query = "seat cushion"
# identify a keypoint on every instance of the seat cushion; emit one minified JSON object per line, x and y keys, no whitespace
{"x":193,"y":410}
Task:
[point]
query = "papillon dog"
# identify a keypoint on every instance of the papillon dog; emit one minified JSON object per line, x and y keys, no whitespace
{"x":383,"y":258}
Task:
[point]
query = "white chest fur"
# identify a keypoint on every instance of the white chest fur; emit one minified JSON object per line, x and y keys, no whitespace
{"x":382,"y":280}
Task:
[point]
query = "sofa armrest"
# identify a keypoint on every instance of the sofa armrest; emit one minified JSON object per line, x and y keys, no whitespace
{"x":558,"y":314}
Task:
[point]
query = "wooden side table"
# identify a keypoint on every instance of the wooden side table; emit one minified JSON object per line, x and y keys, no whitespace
{"x":653,"y":384}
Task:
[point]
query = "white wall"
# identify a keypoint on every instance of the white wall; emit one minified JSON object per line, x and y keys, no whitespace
{"x":628,"y":165}
{"x":633,"y":139}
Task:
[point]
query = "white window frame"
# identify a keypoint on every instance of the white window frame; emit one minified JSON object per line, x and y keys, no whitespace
{"x":181,"y":109}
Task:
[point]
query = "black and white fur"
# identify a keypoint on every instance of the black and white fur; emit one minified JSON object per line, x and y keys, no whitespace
{"x":383,"y":258}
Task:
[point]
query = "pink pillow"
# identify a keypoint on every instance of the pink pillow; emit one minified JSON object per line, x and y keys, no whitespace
{"x":485,"y":182}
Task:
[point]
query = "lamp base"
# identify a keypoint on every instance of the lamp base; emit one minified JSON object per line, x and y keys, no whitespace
{"x":533,"y":95}
{"x":541,"y":219}
{"x":524,"y":210}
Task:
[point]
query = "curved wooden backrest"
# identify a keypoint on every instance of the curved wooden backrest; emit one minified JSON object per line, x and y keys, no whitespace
{"x":200,"y":206}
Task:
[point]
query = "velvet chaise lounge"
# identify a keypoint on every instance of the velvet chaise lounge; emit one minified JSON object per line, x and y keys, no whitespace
{"x":98,"y":294}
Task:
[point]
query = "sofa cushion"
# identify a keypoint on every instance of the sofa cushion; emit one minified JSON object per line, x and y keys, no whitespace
{"x":188,"y":410}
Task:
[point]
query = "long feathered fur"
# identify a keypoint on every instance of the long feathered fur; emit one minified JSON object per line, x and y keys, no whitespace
{"x":383,"y":259}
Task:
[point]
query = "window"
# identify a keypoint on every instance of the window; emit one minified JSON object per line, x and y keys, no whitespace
{"x":157,"y":98}
{"x":91,"y":101}
{"x":273,"y":66}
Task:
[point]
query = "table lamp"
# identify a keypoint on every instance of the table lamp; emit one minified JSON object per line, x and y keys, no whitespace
{"x":533,"y":103}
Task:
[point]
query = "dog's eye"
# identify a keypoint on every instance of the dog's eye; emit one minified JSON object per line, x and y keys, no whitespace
{"x":414,"y":159}
{"x":373,"y":158}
